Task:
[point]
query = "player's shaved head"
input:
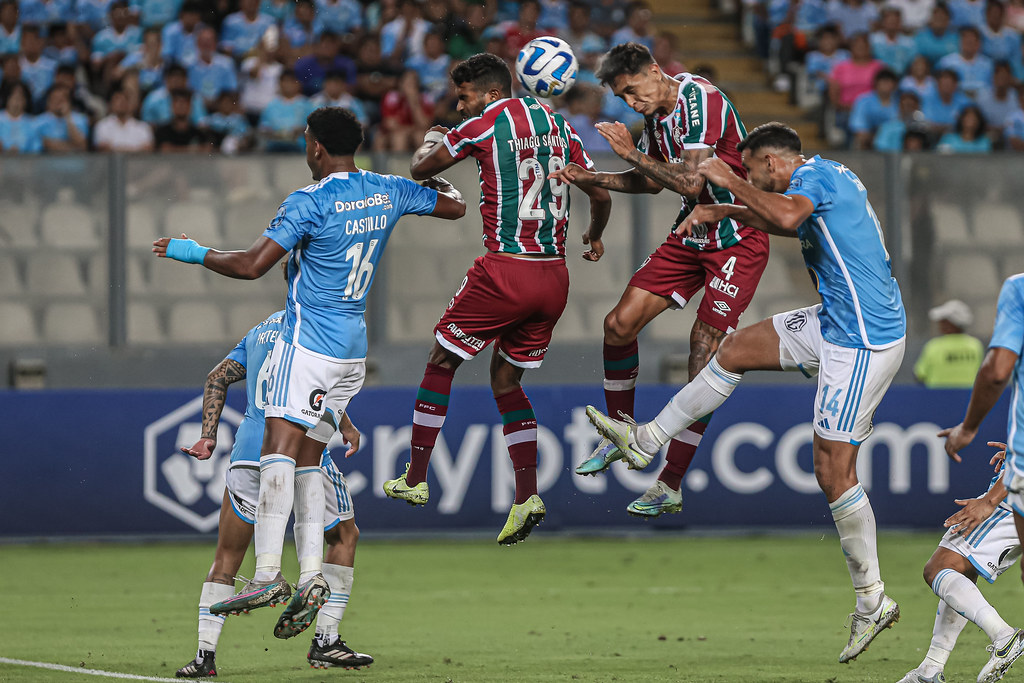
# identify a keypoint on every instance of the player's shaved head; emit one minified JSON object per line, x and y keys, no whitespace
{"x":627,"y":59}
{"x":772,"y":136}
{"x":336,"y":129}
{"x":484,"y":72}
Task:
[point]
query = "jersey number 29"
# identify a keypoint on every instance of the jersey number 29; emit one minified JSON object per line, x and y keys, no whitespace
{"x":528,"y":208}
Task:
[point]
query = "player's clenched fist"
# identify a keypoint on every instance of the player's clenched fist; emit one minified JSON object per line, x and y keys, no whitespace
{"x":702,"y":213}
{"x":716,"y":171}
{"x":573,"y":174}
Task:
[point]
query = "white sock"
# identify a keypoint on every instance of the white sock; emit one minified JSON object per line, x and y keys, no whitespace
{"x":703,"y":395}
{"x":210,"y":624}
{"x":339,"y":580}
{"x":961,"y":594}
{"x":277,"y":492}
{"x":309,"y":521}
{"x":948,"y":624}
{"x":856,"y":525}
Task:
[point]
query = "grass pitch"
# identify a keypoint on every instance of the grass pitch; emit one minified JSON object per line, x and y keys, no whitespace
{"x":672,"y":608}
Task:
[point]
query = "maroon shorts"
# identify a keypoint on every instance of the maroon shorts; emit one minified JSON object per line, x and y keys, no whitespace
{"x":728,"y":276}
{"x":514,"y":302}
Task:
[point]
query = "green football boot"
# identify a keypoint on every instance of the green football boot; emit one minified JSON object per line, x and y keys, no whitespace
{"x":521,"y":520}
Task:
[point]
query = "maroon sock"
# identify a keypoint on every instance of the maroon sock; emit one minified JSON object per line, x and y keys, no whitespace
{"x":427,"y":418}
{"x":681,"y":450}
{"x":520,"y":430}
{"x":621,"y":365}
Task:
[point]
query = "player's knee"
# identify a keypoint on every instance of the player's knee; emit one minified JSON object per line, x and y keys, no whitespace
{"x":618,"y":330}
{"x":931,"y":569}
{"x":726,"y":354}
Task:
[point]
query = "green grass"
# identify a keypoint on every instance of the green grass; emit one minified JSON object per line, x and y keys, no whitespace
{"x":761,"y":608}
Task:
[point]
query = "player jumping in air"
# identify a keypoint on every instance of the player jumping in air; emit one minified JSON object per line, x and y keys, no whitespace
{"x":981,"y":541}
{"x":1001,"y":365}
{"x":515,"y":293}
{"x":687,"y":120}
{"x":336,"y":230}
{"x":853,"y":340}
{"x":237,"y":510}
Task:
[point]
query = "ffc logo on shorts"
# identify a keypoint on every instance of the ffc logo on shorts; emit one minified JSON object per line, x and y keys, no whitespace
{"x":316,"y":399}
{"x":796,"y":321}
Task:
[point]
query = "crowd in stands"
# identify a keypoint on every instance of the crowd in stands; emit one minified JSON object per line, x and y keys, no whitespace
{"x":906,"y":74}
{"x":231,"y":76}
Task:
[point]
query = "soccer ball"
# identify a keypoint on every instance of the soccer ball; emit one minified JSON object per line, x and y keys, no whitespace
{"x":547,"y":67}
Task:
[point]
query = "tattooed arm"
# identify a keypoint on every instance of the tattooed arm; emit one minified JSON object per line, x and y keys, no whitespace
{"x":682,"y":178}
{"x":215,"y":392}
{"x":629,"y":182}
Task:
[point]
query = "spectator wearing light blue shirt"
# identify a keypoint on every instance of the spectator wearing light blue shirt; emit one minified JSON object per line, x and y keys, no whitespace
{"x":890,"y":135}
{"x":967,"y":13}
{"x":637,"y":28}
{"x":10,"y":30}
{"x":147,"y":59}
{"x":45,"y":12}
{"x":919,"y":78}
{"x":62,"y":129}
{"x":942,"y":108}
{"x":302,"y":30}
{"x":110,"y":45}
{"x":179,"y":37}
{"x":340,"y":16}
{"x":974,"y":68}
{"x":969,"y":134}
{"x":37,"y":70}
{"x":853,"y":16}
{"x":433,"y":66}
{"x":937,"y":39}
{"x":1013,"y":132}
{"x":228,"y":126}
{"x":212,"y":73}
{"x":336,"y":94}
{"x":156,"y":107}
{"x":283,"y":121}
{"x":18,"y":132}
{"x":819,"y":62}
{"x":241,"y":30}
{"x":998,"y":101}
{"x":999,"y":42}
{"x":278,"y":10}
{"x":312,"y":69}
{"x":92,"y":14}
{"x":156,"y":12}
{"x":890,"y":44}
{"x":874,"y":108}
{"x":61,"y":48}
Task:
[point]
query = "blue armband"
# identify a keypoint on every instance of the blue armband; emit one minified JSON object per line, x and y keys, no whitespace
{"x":186,"y":251}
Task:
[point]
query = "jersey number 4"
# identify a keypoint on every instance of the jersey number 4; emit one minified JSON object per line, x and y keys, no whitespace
{"x":528,"y":208}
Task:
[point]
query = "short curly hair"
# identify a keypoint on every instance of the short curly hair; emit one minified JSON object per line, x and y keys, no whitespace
{"x":484,"y":71}
{"x":627,"y":59}
{"x":337,"y":129}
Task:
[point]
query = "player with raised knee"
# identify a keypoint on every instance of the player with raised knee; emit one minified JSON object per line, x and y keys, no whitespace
{"x":686,"y":120}
{"x":853,"y":340}
{"x":237,"y":512}
{"x":981,"y":541}
{"x":1000,"y":367}
{"x":336,"y":230}
{"x":516,"y":292}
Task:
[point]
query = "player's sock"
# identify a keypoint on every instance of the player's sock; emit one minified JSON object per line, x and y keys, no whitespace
{"x":855,"y":522}
{"x":963,"y":595}
{"x":427,"y":419}
{"x":948,"y":625}
{"x":309,"y":522}
{"x":211,"y":624}
{"x":621,"y":365}
{"x":681,"y":449}
{"x":520,"y":430}
{"x":277,"y":492}
{"x":339,"y":580}
{"x":698,"y":398}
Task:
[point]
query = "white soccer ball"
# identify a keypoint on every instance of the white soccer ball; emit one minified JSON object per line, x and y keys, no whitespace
{"x":547,"y":67}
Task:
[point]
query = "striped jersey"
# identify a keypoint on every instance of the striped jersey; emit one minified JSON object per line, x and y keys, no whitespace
{"x":517,"y":144}
{"x":703,"y":117}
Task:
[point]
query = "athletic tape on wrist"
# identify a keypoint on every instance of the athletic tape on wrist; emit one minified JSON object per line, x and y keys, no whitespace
{"x":434,"y":136}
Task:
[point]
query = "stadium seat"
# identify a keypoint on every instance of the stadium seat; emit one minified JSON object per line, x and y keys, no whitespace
{"x":196,"y":219}
{"x":141,"y":226}
{"x":97,"y":274}
{"x":71,"y":324}
{"x":411,"y":270}
{"x":604,"y":278}
{"x":431,"y":233}
{"x":170,"y":278}
{"x":144,"y":324}
{"x":413,"y":322}
{"x":984,"y":318}
{"x":18,"y":224}
{"x":775,"y":280}
{"x":971,"y":275}
{"x":289,"y":174}
{"x":54,"y":274}
{"x":196,"y":323}
{"x":950,"y":224}
{"x":135,"y":274}
{"x":69,"y":225}
{"x":244,"y":223}
{"x":998,"y":225}
{"x":19,"y":324}
{"x":10,"y":277}
{"x":572,"y":326}
{"x":243,"y":317}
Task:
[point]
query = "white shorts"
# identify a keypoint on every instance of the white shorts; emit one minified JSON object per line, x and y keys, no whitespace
{"x":851,"y":382}
{"x":1014,"y":490}
{"x":310,"y":389}
{"x":243,"y":484}
{"x":992,"y":547}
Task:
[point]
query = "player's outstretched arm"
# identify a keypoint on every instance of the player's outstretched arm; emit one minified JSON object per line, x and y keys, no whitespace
{"x":350,"y":434}
{"x":628,"y":182}
{"x":994,"y":374}
{"x":250,"y":264}
{"x":600,"y":210}
{"x":215,"y":392}
{"x":432,"y":157}
{"x":450,"y":204}
{"x":682,"y":177}
{"x":785,"y":212}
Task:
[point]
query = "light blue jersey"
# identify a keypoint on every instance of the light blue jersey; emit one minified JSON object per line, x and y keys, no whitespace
{"x":336,"y":230}
{"x":1009,"y":334}
{"x":844,"y":250}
